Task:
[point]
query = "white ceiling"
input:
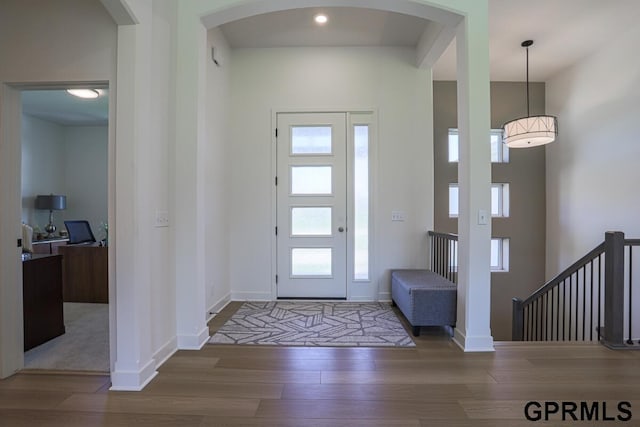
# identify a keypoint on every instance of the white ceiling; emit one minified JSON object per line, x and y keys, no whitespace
{"x":347,"y":26}
{"x":564,"y":31}
{"x":59,"y":107}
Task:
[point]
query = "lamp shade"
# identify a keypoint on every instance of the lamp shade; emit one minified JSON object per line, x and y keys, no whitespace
{"x":51,"y":202}
{"x":530,"y":131}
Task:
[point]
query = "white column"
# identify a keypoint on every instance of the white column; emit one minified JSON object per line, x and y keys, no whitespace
{"x":190,"y":187}
{"x":134,"y":365}
{"x":473,"y":331}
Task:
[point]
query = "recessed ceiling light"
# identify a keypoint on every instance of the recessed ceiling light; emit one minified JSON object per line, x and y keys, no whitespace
{"x":321,"y":19}
{"x":84,"y":93}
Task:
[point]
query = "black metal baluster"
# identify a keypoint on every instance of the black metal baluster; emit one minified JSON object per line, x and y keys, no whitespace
{"x":570,"y":304}
{"x":533,"y":320}
{"x":564,"y":305}
{"x":584,"y":300}
{"x":599,"y":293}
{"x":455,"y":261}
{"x":553,"y":302}
{"x":591,"y":301}
{"x":538,"y":322}
{"x":442,"y":261}
{"x":630,"y":340}
{"x":530,"y":312}
{"x":546,"y":316}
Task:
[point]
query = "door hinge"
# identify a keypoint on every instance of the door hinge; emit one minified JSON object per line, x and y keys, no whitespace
{"x":276,"y":180}
{"x":276,"y":132}
{"x":276,"y":231}
{"x":276,"y":278}
{"x":19,"y":243}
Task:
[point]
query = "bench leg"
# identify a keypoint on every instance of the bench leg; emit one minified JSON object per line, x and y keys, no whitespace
{"x":416,"y":331}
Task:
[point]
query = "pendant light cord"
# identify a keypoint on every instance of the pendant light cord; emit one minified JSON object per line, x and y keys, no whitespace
{"x":528,"y":115}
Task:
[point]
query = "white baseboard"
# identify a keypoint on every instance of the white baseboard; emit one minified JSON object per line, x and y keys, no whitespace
{"x":384,"y":296}
{"x":473,"y":344}
{"x":361,"y":299}
{"x":218,"y":306}
{"x":166,"y":351}
{"x":122,"y":380}
{"x":251,"y":296}
{"x":195,"y":341}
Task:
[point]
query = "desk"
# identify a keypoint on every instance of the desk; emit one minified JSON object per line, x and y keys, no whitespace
{"x":85,"y":273}
{"x":42,"y":299}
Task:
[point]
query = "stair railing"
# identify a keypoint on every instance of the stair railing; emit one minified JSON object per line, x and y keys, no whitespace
{"x":586,"y":302}
{"x":443,"y":248}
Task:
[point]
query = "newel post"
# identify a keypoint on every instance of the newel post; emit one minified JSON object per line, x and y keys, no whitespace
{"x":613,"y":289}
{"x":517,"y":321}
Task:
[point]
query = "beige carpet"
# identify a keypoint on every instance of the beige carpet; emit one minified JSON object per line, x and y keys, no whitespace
{"x":83,"y":347}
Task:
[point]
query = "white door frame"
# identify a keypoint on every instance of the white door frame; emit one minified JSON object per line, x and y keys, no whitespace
{"x":354,"y":116}
{"x":11,"y":303}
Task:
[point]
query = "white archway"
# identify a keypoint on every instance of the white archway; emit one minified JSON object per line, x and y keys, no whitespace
{"x":467,"y":19}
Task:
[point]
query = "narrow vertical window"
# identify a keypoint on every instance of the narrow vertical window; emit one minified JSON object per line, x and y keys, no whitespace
{"x":499,"y":254}
{"x":361,"y":202}
{"x":453,"y":146}
{"x":499,"y":151}
{"x":453,"y":200}
{"x":500,"y":200}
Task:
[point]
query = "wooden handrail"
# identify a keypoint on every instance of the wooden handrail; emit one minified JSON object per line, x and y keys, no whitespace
{"x":595,"y":252}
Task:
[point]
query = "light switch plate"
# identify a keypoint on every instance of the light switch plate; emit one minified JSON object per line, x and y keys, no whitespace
{"x":162,"y":219}
{"x":397,"y":216}
{"x":483,"y":218}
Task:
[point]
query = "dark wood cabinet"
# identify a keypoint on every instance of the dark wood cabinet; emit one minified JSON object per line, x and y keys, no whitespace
{"x":85,"y":273}
{"x":42,"y":299}
{"x":49,"y":246}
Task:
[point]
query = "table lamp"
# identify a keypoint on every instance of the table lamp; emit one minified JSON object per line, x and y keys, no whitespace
{"x":51,"y":203}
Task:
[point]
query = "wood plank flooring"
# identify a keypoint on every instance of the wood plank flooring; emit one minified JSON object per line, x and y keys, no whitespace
{"x":433,"y":384}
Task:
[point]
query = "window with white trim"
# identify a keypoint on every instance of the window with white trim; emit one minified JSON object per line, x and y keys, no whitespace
{"x":500,"y":254}
{"x":499,"y":200}
{"x":499,"y":151}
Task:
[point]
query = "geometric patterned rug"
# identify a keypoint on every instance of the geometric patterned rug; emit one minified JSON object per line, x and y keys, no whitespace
{"x":320,"y":324}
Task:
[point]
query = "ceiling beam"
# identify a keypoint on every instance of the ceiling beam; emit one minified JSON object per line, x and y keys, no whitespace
{"x":120,"y":12}
{"x":434,"y":41}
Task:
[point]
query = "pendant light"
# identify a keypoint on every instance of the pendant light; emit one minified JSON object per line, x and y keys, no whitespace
{"x":530,"y":131}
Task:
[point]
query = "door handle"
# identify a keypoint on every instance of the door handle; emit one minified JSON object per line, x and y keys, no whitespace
{"x":341,"y":229}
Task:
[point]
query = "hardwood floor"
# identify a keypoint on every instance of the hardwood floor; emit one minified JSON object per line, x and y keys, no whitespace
{"x":433,"y":384}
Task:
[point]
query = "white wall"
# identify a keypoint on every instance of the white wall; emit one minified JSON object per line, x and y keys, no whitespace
{"x":592,"y":168}
{"x":342,"y":79}
{"x":68,"y":160}
{"x":216,"y":158}
{"x":42,"y":168}
{"x":45,"y":45}
{"x":84,"y":166}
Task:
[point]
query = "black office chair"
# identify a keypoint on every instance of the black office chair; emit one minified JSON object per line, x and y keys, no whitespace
{"x":79,"y":232}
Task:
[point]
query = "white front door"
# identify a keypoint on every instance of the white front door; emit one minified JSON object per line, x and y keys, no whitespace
{"x":311,"y":205}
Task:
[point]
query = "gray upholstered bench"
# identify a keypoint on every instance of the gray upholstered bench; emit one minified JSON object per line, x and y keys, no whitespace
{"x":424,"y":297}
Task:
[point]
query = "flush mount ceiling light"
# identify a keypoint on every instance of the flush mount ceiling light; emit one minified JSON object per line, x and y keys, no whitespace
{"x":530,"y":131}
{"x":321,"y":19}
{"x":84,"y":93}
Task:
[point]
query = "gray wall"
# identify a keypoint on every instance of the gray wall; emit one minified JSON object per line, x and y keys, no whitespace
{"x":525,"y":173}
